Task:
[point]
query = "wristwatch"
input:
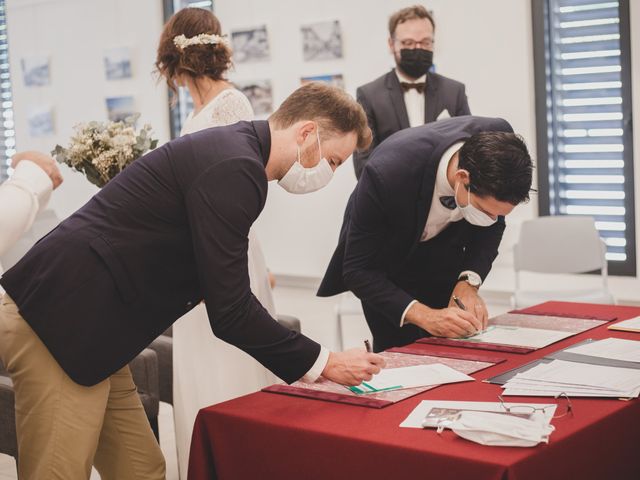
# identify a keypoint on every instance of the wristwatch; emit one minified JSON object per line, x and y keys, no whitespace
{"x":471,"y":278}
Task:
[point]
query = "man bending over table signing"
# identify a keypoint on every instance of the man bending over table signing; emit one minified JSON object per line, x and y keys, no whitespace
{"x":423,"y":226}
{"x":169,"y":231}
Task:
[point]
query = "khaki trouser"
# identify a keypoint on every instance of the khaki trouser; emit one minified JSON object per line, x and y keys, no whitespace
{"x":63,"y":428}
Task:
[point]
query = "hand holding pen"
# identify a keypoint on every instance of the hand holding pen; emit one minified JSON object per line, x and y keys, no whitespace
{"x":353,"y":366}
{"x":461,"y":306}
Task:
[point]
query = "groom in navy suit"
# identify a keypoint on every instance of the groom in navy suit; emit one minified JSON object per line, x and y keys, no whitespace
{"x":169,"y":231}
{"x":424,"y":224}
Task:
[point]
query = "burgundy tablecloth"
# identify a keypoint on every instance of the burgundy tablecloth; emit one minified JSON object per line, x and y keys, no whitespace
{"x":269,"y":436}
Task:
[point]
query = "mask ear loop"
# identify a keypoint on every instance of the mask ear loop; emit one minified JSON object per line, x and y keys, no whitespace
{"x":318,"y":137}
{"x":299,"y":159}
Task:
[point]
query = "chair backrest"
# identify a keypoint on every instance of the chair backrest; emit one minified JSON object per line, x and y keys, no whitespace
{"x":559,"y":244}
{"x":8,"y":439}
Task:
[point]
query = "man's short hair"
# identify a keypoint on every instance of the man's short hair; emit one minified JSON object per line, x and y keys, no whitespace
{"x":408,"y":13}
{"x":335,"y":110}
{"x":499,"y":166}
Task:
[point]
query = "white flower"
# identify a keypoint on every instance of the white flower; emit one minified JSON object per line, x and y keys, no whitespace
{"x":101,"y":150}
{"x":183,"y":42}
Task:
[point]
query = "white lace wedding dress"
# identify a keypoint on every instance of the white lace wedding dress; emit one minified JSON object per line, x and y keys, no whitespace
{"x":207,"y":370}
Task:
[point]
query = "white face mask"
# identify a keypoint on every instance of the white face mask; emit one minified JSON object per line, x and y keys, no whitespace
{"x":498,"y":429}
{"x":471,"y":214}
{"x":299,"y":179}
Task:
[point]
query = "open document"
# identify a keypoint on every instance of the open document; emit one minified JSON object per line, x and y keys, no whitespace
{"x":575,"y":379}
{"x":429,"y":413}
{"x":614,"y":348}
{"x":410,"y":377}
{"x":520,"y":332}
{"x":519,"y":336}
{"x":631,"y":325}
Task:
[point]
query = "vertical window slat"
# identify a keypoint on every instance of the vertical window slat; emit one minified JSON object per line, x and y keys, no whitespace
{"x":183,"y":103}
{"x":583,"y":117}
{"x":7,"y":133}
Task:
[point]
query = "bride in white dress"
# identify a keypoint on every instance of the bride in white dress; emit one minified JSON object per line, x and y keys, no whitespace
{"x":207,"y":370}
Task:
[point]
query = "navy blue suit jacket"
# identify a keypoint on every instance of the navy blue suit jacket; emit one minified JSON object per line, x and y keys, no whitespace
{"x":379,"y":256}
{"x":166,"y":233}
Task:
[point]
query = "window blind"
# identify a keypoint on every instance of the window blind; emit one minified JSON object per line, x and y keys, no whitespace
{"x":7,"y":129}
{"x":184,"y":104}
{"x":588,"y":120}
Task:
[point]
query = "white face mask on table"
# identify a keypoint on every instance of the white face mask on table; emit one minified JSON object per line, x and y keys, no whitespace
{"x":299,"y":179}
{"x":503,"y":430}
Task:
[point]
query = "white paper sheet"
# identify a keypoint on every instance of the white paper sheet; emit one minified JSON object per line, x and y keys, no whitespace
{"x":632,"y":325}
{"x":415,"y":418}
{"x":573,"y":373}
{"x":570,"y":390}
{"x":413,"y":376}
{"x":518,"y":392}
{"x":615,"y":348}
{"x":577,"y":379}
{"x":519,"y":336}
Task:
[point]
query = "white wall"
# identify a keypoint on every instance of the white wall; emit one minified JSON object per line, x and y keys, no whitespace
{"x":74,"y":35}
{"x":485,"y":44}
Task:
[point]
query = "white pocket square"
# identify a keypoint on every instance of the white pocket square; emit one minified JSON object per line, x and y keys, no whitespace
{"x":443,"y":114}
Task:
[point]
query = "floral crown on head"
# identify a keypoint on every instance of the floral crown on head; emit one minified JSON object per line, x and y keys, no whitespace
{"x":183,"y":42}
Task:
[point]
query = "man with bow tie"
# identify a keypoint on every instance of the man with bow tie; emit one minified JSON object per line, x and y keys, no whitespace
{"x":423,"y":226}
{"x":409,"y":95}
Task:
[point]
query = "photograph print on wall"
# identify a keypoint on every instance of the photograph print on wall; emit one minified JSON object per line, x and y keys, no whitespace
{"x":251,"y":45}
{"x":260,"y":94}
{"x":35,"y":71}
{"x":321,"y":41}
{"x":40,"y":121}
{"x":119,"y":108}
{"x":335,"y":80}
{"x":117,"y":63}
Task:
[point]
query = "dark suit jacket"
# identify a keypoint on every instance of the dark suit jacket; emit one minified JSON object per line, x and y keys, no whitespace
{"x":379,"y":256}
{"x":164,"y":234}
{"x":383,"y":102}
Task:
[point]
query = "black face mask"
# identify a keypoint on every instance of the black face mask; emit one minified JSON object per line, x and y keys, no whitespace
{"x":415,"y":62}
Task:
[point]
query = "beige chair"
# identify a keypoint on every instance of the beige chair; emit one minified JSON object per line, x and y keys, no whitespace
{"x":560,"y":245}
{"x":8,"y":442}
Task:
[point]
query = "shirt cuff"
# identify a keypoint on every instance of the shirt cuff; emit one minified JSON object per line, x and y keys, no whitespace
{"x":30,"y":177}
{"x":466,"y":272}
{"x":404,"y":314}
{"x":316,"y":370}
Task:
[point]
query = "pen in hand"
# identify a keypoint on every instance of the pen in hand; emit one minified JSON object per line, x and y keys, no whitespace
{"x":459,"y":303}
{"x":367,"y":345}
{"x":461,"y":306}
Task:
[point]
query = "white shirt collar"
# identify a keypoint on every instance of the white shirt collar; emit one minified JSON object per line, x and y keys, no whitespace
{"x":443,"y":188}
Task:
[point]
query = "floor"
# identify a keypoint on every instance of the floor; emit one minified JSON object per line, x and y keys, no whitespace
{"x":318,"y":318}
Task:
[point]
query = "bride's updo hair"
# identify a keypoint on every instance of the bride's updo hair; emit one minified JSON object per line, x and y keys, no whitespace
{"x":192,"y":60}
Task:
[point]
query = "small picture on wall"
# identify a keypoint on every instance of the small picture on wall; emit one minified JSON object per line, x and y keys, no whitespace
{"x":35,"y":71}
{"x":119,"y":108}
{"x":117,"y":63}
{"x":40,"y":121}
{"x":250,"y":45}
{"x":260,"y":94}
{"x":322,"y":41}
{"x":335,"y":80}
